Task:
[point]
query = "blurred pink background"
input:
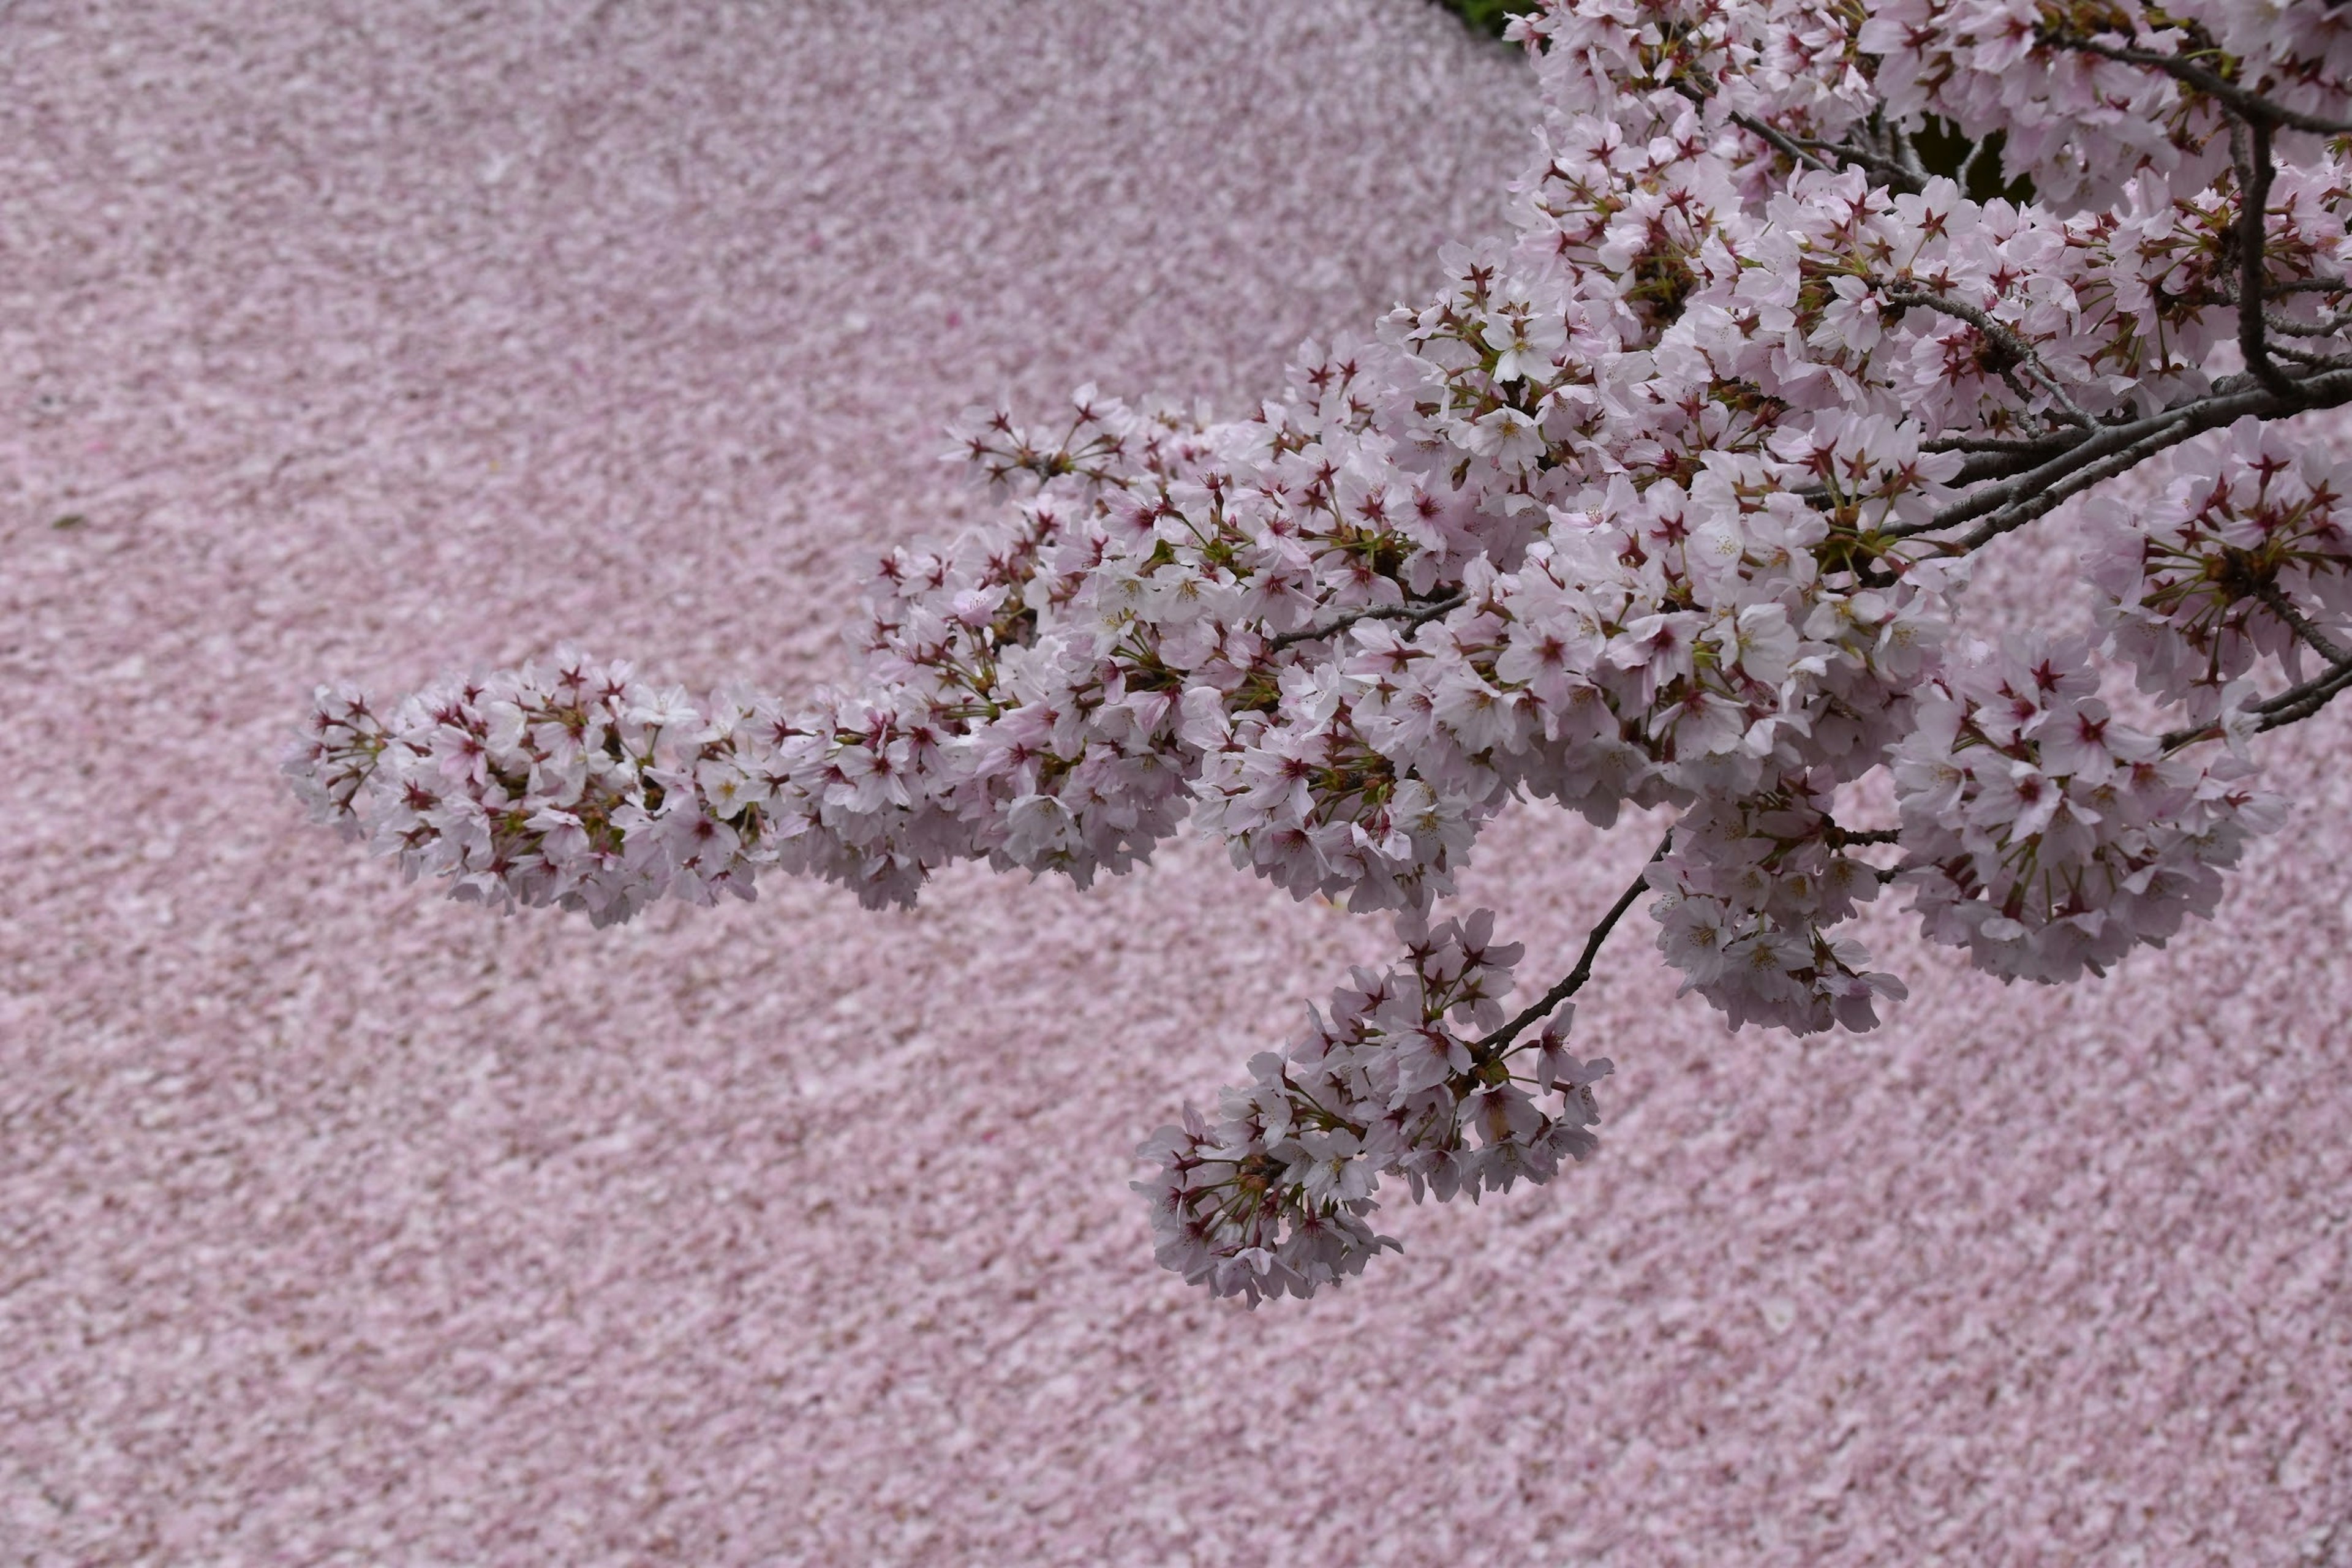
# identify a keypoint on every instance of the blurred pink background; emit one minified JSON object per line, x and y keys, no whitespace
{"x":340,"y":1224}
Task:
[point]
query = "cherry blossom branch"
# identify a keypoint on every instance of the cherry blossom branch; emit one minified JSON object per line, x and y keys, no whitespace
{"x":1497,"y":1044}
{"x":2009,"y":342}
{"x":1781,"y":141}
{"x":1805,"y":151}
{"x":2319,"y":642}
{"x":2307,"y":357}
{"x":2111,"y":449}
{"x":2251,"y":106}
{"x":2297,"y":702}
{"x":1411,"y":615}
{"x":1057,"y":689}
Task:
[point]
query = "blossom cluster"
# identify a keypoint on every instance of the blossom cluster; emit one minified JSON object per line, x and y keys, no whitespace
{"x":1666,"y":499}
{"x":1753,"y":889}
{"x":572,"y":784}
{"x":2048,"y":836}
{"x":1412,"y":1075}
{"x":2191,"y":590}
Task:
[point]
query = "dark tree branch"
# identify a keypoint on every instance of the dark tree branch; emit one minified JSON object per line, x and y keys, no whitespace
{"x":2292,"y":706}
{"x":1997,"y":445}
{"x":2251,"y":107}
{"x":2250,"y":149}
{"x":1907,"y":157}
{"x":1892,"y":173}
{"x":2289,"y":328}
{"x":2017,"y":514}
{"x":1781,"y":141}
{"x":2109,"y":449}
{"x":2316,"y":361}
{"x":1494,"y":1046}
{"x":2300,"y":702}
{"x":2086,"y":450}
{"x":2310,"y":635}
{"x":1811,"y":152}
{"x":1413,"y":613}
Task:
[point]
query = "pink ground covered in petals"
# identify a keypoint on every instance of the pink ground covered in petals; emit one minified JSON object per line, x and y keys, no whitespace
{"x":340,"y":1224}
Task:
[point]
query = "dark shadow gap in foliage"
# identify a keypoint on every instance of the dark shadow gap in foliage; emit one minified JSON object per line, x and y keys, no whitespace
{"x":1488,"y":15}
{"x":1943,"y":149}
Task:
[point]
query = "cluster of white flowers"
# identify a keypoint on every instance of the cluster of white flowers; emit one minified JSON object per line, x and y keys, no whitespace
{"x":1752,"y":888}
{"x":2046,"y":835}
{"x":1665,"y":500}
{"x":1412,"y":1075}
{"x":572,"y":784}
{"x":2194,"y":590}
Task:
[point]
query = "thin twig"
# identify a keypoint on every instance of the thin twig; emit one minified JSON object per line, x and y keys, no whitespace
{"x":2008,"y":341}
{"x":1891,"y":172}
{"x":2319,"y":642}
{"x":2297,"y":702}
{"x":2318,"y":361}
{"x":2173,"y":740}
{"x":1806,"y":152}
{"x":1412,"y":613}
{"x":1494,"y":1045}
{"x":1780,"y":140}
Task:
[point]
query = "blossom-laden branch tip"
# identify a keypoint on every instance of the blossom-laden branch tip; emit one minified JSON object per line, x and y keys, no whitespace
{"x":1667,"y":501}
